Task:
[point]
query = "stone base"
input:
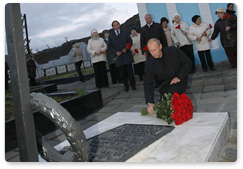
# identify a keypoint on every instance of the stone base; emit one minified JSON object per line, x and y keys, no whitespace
{"x":200,"y":139}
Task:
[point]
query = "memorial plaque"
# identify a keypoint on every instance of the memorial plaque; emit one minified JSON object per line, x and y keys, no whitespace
{"x":51,"y":71}
{"x":61,"y":69}
{"x":121,"y":143}
{"x":70,"y":67}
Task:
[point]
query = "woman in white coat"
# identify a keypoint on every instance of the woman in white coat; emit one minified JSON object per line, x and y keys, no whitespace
{"x":96,"y":48}
{"x":138,"y":57}
{"x":179,"y":34}
{"x":199,"y":33}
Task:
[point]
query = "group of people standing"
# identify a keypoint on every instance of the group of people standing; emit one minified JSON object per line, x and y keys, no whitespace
{"x":126,"y":53}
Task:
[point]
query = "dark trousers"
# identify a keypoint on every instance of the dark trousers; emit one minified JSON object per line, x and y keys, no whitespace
{"x":78,"y":69}
{"x":100,"y":73}
{"x":203,"y":61}
{"x":139,"y":69}
{"x":231,"y":53}
{"x":115,"y":74}
{"x":179,"y":87}
{"x":188,"y":50}
{"x":126,"y":72}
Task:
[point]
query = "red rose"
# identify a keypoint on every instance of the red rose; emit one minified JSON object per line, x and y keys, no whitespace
{"x":106,"y":53}
{"x":128,"y":45}
{"x":136,"y":50}
{"x":178,"y":27}
{"x":210,"y":26}
{"x":145,"y":48}
{"x":227,"y":15}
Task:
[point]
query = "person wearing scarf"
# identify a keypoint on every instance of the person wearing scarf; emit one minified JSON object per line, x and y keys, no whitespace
{"x":96,"y":48}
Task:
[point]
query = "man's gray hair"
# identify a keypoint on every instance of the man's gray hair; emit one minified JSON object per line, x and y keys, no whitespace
{"x":154,"y":40}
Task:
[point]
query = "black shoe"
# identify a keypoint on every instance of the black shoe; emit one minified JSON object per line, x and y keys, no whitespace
{"x":205,"y":70}
{"x":233,"y":67}
{"x":134,"y":88}
{"x":114,"y":82}
{"x":212,"y":69}
{"x":126,"y":89}
{"x":193,"y":71}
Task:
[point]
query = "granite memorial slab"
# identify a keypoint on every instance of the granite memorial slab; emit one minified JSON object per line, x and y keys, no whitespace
{"x":200,"y":139}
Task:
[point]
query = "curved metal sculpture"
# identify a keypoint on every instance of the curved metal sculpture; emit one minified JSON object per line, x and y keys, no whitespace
{"x":64,"y":121}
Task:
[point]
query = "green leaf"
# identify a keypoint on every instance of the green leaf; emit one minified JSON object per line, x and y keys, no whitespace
{"x":144,"y":111}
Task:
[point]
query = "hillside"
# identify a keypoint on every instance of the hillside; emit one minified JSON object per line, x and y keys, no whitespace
{"x":46,"y":55}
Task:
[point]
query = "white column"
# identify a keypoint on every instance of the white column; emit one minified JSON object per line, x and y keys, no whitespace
{"x":171,"y":8}
{"x":206,"y":16}
{"x":142,"y":10}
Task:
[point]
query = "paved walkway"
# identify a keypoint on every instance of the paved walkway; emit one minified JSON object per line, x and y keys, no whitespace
{"x":212,"y":91}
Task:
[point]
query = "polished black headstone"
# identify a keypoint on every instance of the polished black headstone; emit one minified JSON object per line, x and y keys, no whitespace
{"x":121,"y":143}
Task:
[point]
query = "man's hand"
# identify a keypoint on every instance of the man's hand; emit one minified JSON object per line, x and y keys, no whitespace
{"x":177,"y":43}
{"x":150,"y":108}
{"x":124,"y":50}
{"x":210,"y":40}
{"x":174,"y":80}
{"x":227,"y":28}
{"x":118,"y":53}
{"x":184,"y":32}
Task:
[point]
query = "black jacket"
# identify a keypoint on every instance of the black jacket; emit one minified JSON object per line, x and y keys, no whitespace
{"x":118,"y":43}
{"x":231,"y":12}
{"x":174,"y":63}
{"x":155,"y":31}
{"x":219,"y":27}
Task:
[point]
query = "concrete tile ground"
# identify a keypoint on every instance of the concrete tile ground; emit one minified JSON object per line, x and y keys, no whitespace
{"x":212,"y":91}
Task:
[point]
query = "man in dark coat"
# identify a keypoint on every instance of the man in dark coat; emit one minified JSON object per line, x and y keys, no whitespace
{"x":230,"y":9}
{"x":169,"y":67}
{"x":114,"y":71}
{"x":31,"y":68}
{"x":119,"y":42}
{"x":226,"y":25}
{"x":152,"y":30}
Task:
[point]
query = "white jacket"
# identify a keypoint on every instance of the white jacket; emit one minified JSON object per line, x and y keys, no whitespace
{"x":138,"y":57}
{"x":96,"y":45}
{"x":77,"y":52}
{"x":196,"y":31}
{"x":178,"y":36}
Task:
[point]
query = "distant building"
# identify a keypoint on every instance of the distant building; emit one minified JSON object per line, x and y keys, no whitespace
{"x":187,"y":11}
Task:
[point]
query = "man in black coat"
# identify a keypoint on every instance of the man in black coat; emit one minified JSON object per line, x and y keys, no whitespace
{"x":169,"y":68}
{"x":152,"y":30}
{"x":226,"y":25}
{"x":119,"y":42}
{"x":230,"y":9}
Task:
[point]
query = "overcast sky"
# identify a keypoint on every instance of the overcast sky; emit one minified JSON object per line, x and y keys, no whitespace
{"x":49,"y":23}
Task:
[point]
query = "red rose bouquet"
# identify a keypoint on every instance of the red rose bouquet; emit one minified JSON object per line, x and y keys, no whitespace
{"x":128,"y":47}
{"x":177,"y":108}
{"x":226,"y":17}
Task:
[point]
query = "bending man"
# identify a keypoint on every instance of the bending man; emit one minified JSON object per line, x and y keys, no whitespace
{"x":169,"y":68}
